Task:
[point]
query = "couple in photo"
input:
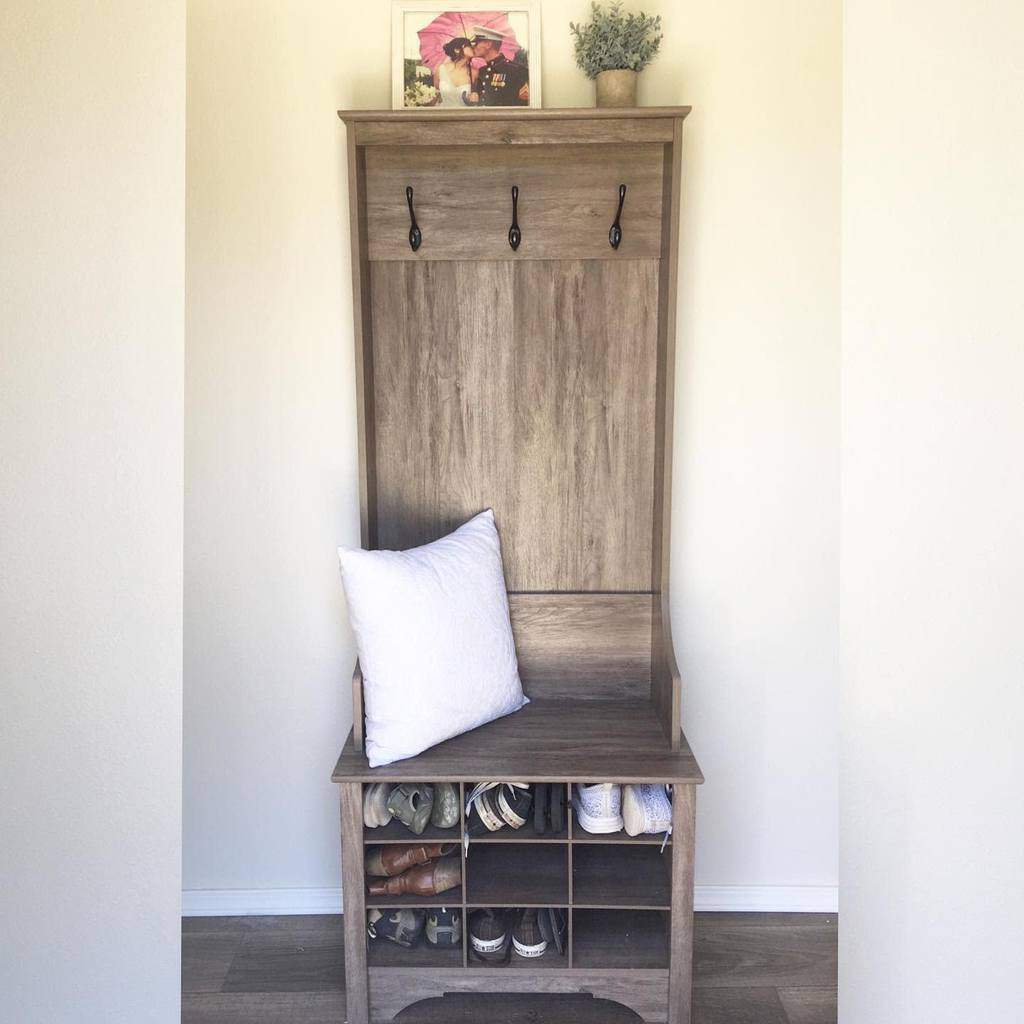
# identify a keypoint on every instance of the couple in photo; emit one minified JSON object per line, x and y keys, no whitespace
{"x":499,"y":82}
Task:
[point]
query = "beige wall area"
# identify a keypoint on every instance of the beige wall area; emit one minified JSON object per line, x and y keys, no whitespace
{"x":932,"y":837}
{"x":92,"y":197}
{"x":271,"y":484}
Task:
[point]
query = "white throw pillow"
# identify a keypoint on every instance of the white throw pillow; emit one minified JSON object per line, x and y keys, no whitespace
{"x":434,"y":639}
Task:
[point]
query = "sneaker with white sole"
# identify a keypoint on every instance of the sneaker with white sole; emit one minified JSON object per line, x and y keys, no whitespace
{"x":527,"y":938}
{"x":488,"y":935}
{"x":646,"y":809}
{"x":598,"y":807}
{"x":375,"y":804}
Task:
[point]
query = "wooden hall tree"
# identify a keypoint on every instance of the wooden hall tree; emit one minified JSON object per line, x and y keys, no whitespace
{"x":515,"y":332}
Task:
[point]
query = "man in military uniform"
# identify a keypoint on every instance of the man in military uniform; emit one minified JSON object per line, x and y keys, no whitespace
{"x":501,"y":82}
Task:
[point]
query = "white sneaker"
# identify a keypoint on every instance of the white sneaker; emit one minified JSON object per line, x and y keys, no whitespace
{"x":375,"y":804}
{"x":646,"y":809}
{"x":598,"y":807}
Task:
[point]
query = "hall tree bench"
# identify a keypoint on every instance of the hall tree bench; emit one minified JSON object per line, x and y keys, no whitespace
{"x":514,"y":312}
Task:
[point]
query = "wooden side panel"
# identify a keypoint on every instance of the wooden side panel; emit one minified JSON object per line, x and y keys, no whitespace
{"x":362,"y":322}
{"x":666,"y":687}
{"x":568,"y":196}
{"x":352,"y":882}
{"x":684,"y":823}
{"x":528,"y":388}
{"x":587,"y":646}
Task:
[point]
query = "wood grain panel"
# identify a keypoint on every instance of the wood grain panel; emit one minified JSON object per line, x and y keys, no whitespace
{"x":586,"y":334}
{"x":568,"y":197}
{"x":666,"y":685}
{"x":527,"y":388}
{"x":511,"y":133}
{"x":588,"y":646}
{"x":444,"y":357}
{"x":644,"y":991}
{"x":547,"y":741}
{"x":684,"y":828}
{"x":357,"y":1006}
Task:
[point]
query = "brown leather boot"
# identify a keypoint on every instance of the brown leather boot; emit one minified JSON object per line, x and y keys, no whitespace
{"x":423,"y":880}
{"x":387,"y":861}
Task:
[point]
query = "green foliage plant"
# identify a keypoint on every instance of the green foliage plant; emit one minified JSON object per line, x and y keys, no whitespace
{"x":614,"y":40}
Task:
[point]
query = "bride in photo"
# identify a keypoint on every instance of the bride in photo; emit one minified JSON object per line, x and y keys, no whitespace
{"x":453,"y":78}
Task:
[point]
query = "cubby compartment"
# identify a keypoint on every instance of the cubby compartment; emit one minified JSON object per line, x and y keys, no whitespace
{"x":621,"y":875}
{"x":517,"y":875}
{"x":549,"y":959}
{"x":581,"y":835}
{"x":617,"y":939}
{"x":396,"y":832}
{"x":382,"y":952}
{"x":527,"y":833}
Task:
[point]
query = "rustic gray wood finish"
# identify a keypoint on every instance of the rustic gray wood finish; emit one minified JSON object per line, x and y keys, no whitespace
{"x":527,"y":388}
{"x":537,"y":382}
{"x":463,"y":203}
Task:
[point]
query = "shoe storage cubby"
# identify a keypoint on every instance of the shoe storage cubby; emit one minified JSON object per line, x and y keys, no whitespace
{"x":382,"y":952}
{"x":630,"y":939}
{"x":616,"y":890}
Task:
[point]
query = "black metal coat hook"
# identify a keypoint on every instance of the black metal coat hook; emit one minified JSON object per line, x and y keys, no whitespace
{"x":515,"y":236}
{"x":415,"y":235}
{"x":615,"y":234}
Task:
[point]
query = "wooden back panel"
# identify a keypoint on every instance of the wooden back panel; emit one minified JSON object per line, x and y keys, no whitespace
{"x":585,"y":646}
{"x":528,"y":388}
{"x":462,"y":196}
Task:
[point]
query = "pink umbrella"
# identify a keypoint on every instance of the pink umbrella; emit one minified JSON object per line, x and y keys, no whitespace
{"x":453,"y":24}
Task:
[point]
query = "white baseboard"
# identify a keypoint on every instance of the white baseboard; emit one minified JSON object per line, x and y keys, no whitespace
{"x":804,"y":899}
{"x":767,"y":899}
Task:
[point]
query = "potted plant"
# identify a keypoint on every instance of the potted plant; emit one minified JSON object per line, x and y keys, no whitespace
{"x":613,"y":48}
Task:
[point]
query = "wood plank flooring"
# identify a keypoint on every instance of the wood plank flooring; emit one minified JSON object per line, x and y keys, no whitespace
{"x":748,"y":969}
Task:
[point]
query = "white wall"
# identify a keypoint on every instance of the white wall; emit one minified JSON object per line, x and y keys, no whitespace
{"x":271,"y":462}
{"x":933,"y":513}
{"x":91,"y":328}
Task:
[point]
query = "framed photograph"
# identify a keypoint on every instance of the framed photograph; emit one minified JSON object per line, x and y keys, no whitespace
{"x":464,"y":56}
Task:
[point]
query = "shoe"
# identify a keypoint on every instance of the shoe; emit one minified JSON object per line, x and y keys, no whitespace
{"x":488,"y":934}
{"x":388,"y":861}
{"x":423,"y":880}
{"x":375,"y":804}
{"x":444,"y":927}
{"x":412,"y":804}
{"x":598,"y":807}
{"x":646,"y":809}
{"x":446,"y":806}
{"x":553,"y":926}
{"x":493,"y":805}
{"x":541,"y":799}
{"x":557,"y":810}
{"x":399,"y":926}
{"x":527,"y":939}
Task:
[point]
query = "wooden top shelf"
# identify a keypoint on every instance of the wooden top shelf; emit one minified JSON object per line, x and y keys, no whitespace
{"x":513,"y":126}
{"x":515,"y":114}
{"x":547,"y":741}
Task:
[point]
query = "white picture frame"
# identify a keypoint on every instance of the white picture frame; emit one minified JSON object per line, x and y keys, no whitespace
{"x":408,"y":16}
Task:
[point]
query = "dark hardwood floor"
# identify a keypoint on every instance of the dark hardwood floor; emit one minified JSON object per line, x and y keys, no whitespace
{"x":749,"y":969}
